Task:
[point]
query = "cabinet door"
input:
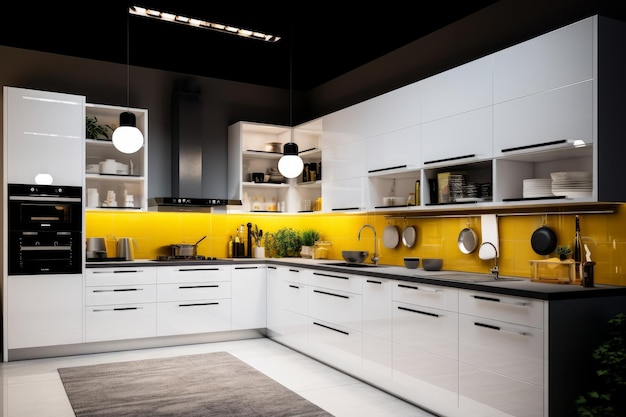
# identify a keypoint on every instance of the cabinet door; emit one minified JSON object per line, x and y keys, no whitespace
{"x":44,"y":135}
{"x":463,"y":137}
{"x":121,"y":321}
{"x":544,"y":121}
{"x":558,"y":58}
{"x":399,"y":149}
{"x":44,"y":310}
{"x":377,"y":328}
{"x":458,"y":90}
{"x":198,"y":316}
{"x":248,"y":297}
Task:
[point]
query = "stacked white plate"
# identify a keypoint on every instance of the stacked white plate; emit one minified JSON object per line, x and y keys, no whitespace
{"x":537,"y":187}
{"x":572,"y":184}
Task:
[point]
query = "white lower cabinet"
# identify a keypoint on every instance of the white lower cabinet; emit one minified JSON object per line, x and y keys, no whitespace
{"x":377,"y":329}
{"x":120,"y":303}
{"x":501,"y":355}
{"x":248,"y":297}
{"x":193,"y":299}
{"x":43,"y":310}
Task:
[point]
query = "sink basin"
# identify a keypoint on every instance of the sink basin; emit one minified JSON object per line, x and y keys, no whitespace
{"x":353,"y":265}
{"x":469,"y":277}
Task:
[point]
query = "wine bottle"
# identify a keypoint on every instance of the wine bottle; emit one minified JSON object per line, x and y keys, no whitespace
{"x":577,"y":256}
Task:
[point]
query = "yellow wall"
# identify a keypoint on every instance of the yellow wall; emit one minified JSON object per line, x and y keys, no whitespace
{"x":605,"y":236}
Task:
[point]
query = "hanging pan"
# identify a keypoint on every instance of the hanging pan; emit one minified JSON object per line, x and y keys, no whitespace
{"x":391,"y":237}
{"x":467,"y":241}
{"x":543,"y":240}
{"x":409,"y":235}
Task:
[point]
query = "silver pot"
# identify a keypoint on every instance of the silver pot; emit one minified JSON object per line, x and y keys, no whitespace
{"x":185,"y":250}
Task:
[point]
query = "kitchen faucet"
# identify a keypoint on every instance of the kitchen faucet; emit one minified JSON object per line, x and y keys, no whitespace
{"x":374,"y":256}
{"x":494,"y":271}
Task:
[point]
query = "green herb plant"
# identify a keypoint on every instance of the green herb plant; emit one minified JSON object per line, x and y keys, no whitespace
{"x":608,"y":399}
{"x":285,"y":242}
{"x":309,"y":237}
{"x":94,"y":130}
{"x":563,"y":251}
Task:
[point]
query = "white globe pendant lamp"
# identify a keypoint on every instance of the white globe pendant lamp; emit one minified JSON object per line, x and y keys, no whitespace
{"x":290,"y":164}
{"x":127,"y":138}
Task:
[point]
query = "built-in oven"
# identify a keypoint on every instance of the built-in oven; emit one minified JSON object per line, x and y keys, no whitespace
{"x":45,"y":229}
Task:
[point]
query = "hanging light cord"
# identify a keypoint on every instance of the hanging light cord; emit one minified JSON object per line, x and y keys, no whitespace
{"x":128,"y":61}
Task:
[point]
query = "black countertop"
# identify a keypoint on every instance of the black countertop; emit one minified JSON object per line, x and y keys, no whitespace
{"x":522,"y":287}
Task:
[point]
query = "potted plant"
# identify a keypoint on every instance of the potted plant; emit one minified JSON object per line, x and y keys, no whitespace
{"x":94,"y":130}
{"x":285,"y":242}
{"x":308,"y":238}
{"x":563,"y":251}
{"x":608,"y":399}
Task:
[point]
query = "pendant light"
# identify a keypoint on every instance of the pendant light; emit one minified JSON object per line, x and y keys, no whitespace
{"x":290,"y":164}
{"x":127,"y":138}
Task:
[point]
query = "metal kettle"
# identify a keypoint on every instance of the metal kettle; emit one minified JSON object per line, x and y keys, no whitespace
{"x":126,"y":248}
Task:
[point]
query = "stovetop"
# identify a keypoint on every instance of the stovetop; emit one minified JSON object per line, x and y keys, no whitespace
{"x":185,"y":258}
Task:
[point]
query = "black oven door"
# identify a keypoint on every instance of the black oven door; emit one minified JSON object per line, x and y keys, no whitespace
{"x":45,"y":252}
{"x":44,"y":207}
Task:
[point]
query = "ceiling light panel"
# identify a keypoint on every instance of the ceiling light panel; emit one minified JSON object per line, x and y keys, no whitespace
{"x":198,"y":23}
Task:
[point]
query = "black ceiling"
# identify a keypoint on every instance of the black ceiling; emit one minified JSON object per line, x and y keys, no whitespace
{"x":320,"y":40}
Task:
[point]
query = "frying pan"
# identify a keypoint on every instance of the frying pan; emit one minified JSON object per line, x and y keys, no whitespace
{"x":408,"y":236}
{"x":543,"y":240}
{"x":468,"y":241}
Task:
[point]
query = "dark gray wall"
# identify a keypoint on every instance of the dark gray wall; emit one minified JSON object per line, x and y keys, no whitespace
{"x":223,"y":103}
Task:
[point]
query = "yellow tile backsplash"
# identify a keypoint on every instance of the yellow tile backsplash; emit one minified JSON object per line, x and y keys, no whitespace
{"x":604,"y":234}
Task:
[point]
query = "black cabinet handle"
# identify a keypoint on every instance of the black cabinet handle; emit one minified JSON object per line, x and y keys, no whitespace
{"x":426,"y":313}
{"x":454,"y":158}
{"x":330,"y":276}
{"x":330,"y":293}
{"x":537,"y":145}
{"x":330,"y":328}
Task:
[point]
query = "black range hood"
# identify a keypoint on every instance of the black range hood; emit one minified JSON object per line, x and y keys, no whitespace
{"x":187,"y":150}
{"x":177,"y":204}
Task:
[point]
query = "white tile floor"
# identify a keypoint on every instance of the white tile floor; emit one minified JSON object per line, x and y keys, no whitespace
{"x":32,"y":388}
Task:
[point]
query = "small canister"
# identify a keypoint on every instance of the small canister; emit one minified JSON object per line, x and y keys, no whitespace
{"x":587,"y":279}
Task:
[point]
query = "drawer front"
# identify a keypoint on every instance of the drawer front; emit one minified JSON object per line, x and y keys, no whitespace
{"x":337,"y":281}
{"x":120,"y":276}
{"x":426,"y":328}
{"x":426,"y":295}
{"x":193,"y":291}
{"x":483,"y":393}
{"x":518,"y":310}
{"x":339,"y":307}
{"x":335,"y":345}
{"x":128,"y":321}
{"x":199,"y":273}
{"x":120,"y":294}
{"x":292,"y":274}
{"x":294,"y":297}
{"x":416,"y":368}
{"x":507,"y":349}
{"x":193,"y":317}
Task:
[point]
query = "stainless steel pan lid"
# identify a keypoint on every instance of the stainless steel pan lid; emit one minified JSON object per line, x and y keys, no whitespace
{"x":468,"y":240}
{"x":391,"y":237}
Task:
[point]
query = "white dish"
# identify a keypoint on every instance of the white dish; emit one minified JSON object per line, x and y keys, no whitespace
{"x":391,"y":237}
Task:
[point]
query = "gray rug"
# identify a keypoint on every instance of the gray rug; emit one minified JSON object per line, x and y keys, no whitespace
{"x":211,"y":384}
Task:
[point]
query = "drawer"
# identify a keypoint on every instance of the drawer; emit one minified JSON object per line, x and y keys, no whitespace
{"x":507,"y":349}
{"x":337,"y":281}
{"x":116,"y":322}
{"x":120,"y":294}
{"x":292,"y":274}
{"x":335,"y":345}
{"x":294,"y":296}
{"x":191,"y":273}
{"x":193,"y":291}
{"x":518,"y":310}
{"x":425,"y":328}
{"x":119,"y":276}
{"x":417,"y":368}
{"x":339,"y":307}
{"x":426,"y":295}
{"x":198,"y":316}
{"x":484,"y":393}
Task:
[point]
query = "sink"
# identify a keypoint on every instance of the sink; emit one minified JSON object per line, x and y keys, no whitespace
{"x":353,"y":265}
{"x":469,"y":277}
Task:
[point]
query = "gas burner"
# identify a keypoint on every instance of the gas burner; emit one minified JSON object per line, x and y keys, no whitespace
{"x":185,"y":258}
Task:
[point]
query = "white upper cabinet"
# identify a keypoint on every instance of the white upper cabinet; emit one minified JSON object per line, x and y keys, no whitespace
{"x":399,"y":149}
{"x":44,"y":134}
{"x":559,"y":58}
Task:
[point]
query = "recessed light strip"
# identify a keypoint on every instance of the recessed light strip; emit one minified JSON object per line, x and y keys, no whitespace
{"x":203,"y":24}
